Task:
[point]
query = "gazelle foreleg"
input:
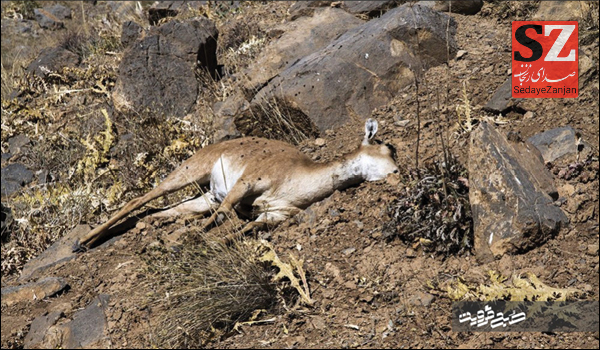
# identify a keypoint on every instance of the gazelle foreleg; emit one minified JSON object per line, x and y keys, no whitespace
{"x":264,"y":220}
{"x":233,"y":197}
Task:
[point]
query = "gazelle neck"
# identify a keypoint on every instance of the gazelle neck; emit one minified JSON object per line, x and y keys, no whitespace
{"x":341,"y":174}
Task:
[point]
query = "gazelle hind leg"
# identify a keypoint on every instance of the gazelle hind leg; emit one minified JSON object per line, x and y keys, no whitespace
{"x":197,"y":206}
{"x":189,"y":172}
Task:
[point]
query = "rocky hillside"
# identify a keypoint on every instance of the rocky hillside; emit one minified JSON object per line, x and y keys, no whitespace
{"x":102,"y":100}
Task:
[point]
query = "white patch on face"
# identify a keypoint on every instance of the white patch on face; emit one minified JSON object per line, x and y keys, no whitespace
{"x":223,"y":177}
{"x":374,"y":168}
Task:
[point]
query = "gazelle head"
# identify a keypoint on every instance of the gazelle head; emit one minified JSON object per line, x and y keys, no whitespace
{"x":374,"y":160}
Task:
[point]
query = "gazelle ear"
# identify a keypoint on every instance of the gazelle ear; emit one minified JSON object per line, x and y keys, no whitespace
{"x":370,"y":130}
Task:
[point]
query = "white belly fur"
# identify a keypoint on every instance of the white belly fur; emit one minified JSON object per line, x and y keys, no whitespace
{"x":223,"y":177}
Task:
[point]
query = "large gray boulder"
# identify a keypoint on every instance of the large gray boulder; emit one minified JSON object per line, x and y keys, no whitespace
{"x":157,"y":72}
{"x":299,"y":39}
{"x":364,"y":68}
{"x":511,"y":195}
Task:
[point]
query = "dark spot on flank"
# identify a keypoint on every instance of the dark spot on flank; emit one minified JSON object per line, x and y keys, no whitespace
{"x":259,"y":179}
{"x":282,"y":150}
{"x":257,"y":141}
{"x":187,"y":167}
{"x":241,"y":143}
{"x":264,"y":151}
{"x":242,"y":156}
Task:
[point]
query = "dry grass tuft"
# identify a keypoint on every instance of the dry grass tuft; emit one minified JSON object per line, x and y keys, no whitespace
{"x":207,"y":288}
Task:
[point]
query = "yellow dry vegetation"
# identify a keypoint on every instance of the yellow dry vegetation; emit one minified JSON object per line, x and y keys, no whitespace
{"x":288,"y":270}
{"x":526,"y":287}
{"x":98,"y":148}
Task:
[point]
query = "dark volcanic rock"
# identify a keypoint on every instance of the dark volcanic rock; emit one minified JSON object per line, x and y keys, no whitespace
{"x":39,"y":290}
{"x":164,"y":9}
{"x":299,"y":39}
{"x":509,"y":194}
{"x":6,"y":222}
{"x":370,"y":8}
{"x":14,"y":176}
{"x":52,"y":17}
{"x":463,"y":7}
{"x":88,"y":327}
{"x":157,"y":72}
{"x":558,"y":143}
{"x":502,"y":100}
{"x":38,"y":329}
{"x":18,"y":143}
{"x":130,"y":32}
{"x":364,"y":68}
{"x":306,"y":8}
{"x":225,"y":113}
{"x":52,"y":60}
{"x":61,"y":251}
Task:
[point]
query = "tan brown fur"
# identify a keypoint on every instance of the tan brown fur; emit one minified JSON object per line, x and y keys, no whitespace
{"x":275,"y":179}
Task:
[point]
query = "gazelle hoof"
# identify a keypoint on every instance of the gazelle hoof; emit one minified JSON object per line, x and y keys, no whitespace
{"x":79,"y":248}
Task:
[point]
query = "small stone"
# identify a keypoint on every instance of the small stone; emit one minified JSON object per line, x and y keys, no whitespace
{"x":359,"y":224}
{"x":154,"y":245}
{"x":421,"y":299}
{"x":140,"y":226}
{"x":402,"y":123}
{"x":529,"y":115}
{"x":350,"y":285}
{"x":320,"y":142}
{"x":567,"y":190}
{"x":460,"y":54}
{"x":592,"y":249}
{"x":348,"y":251}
